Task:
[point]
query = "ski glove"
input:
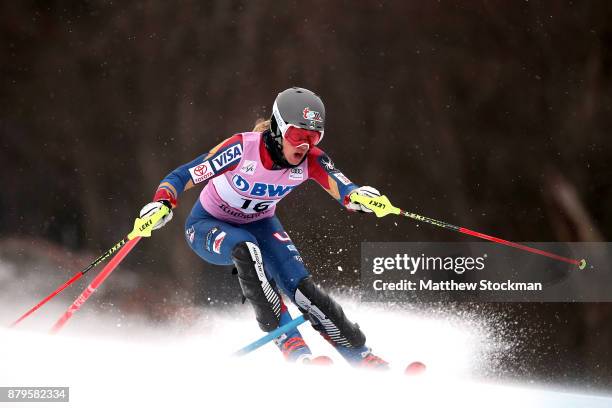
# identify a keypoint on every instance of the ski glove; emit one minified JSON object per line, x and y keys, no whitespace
{"x":154,"y":207}
{"x":364,"y":191}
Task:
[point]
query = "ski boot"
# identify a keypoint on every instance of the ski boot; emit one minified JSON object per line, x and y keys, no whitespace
{"x":296,"y":350}
{"x":327,"y":317}
{"x":293,"y":346}
{"x":362,"y":357}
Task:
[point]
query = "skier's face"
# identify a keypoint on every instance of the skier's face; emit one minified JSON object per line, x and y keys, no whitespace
{"x":297,"y":142}
{"x":293,"y":154}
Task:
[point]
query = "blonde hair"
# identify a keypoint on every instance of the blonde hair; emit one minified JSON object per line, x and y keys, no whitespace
{"x":261,"y":125}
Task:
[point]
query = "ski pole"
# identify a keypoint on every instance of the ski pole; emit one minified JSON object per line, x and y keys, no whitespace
{"x":142,"y":228}
{"x":70,"y":281}
{"x":271,"y":336}
{"x":381,"y":206}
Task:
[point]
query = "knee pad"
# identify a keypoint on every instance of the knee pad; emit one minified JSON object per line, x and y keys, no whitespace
{"x":255,"y":285}
{"x":327,"y":316}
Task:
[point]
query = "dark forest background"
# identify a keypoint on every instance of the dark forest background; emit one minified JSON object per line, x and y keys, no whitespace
{"x":494,"y":115}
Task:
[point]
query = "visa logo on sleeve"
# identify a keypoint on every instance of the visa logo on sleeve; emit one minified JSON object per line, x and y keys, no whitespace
{"x":226,"y":157}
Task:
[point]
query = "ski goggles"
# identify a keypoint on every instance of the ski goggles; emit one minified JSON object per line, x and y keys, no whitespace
{"x":298,"y":137}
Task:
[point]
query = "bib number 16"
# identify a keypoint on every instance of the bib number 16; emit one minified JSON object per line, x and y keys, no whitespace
{"x":256,"y":205}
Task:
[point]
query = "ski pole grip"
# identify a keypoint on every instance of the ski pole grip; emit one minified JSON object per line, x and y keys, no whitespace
{"x":144,"y":226}
{"x":380,"y":206}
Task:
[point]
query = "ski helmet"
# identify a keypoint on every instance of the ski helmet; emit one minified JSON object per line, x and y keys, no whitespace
{"x":297,"y":107}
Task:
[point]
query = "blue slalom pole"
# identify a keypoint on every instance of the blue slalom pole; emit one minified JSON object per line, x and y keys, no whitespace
{"x":271,"y":336}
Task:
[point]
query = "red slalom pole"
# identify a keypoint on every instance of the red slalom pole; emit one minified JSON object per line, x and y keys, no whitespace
{"x":142,"y":228}
{"x":580,"y":263}
{"x":76,"y":277}
{"x":89,"y":290}
{"x":381,"y":206}
{"x":521,"y":246}
{"x":70,"y":281}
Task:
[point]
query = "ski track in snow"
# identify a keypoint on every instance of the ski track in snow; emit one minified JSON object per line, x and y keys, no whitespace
{"x":108,"y":359}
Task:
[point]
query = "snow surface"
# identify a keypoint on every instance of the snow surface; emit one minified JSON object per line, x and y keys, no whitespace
{"x":108,"y":359}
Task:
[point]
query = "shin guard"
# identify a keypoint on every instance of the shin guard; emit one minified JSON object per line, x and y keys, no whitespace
{"x":255,"y":285}
{"x":327,"y":316}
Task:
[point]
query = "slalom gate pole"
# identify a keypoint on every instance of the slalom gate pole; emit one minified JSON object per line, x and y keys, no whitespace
{"x":381,"y":206}
{"x":70,"y":281}
{"x":90,"y":289}
{"x":271,"y":336}
{"x":142,"y":228}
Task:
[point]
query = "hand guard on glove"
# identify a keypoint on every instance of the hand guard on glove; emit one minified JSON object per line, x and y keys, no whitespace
{"x":151,"y":208}
{"x":364,"y":191}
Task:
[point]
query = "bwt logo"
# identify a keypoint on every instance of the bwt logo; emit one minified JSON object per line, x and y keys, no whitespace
{"x":260,"y":189}
{"x":240,"y":183}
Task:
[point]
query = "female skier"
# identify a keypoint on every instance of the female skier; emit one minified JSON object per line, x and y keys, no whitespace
{"x":233,"y":221}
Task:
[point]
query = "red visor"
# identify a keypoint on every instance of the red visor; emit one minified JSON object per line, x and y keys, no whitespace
{"x":297,"y":136}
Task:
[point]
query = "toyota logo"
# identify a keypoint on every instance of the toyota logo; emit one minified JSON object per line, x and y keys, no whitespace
{"x":200,"y":170}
